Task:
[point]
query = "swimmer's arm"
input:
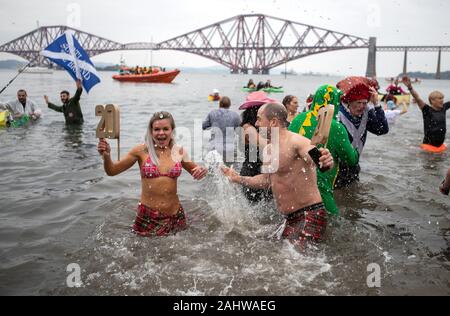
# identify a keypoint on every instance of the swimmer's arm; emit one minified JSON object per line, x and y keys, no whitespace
{"x":404,"y":109}
{"x":196,"y":171}
{"x":303,"y":147}
{"x":408,"y":84}
{"x":115,"y":168}
{"x":261,"y":181}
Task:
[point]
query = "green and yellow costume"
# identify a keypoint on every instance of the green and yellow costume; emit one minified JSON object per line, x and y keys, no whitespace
{"x":338,"y":142}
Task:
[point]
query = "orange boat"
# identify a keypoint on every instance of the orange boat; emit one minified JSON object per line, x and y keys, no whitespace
{"x":158,"y":77}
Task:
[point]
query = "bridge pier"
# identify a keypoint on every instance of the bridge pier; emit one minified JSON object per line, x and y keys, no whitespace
{"x":372,"y":58}
{"x":438,"y":72}
{"x":405,"y":63}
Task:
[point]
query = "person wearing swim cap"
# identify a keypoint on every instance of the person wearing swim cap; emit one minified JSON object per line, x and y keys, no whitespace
{"x":338,"y":144}
{"x":392,"y":112}
{"x":434,"y":115}
{"x":360,"y":113}
{"x":215,"y":96}
{"x":161,"y":162}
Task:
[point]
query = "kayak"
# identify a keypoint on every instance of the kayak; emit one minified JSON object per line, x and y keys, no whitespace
{"x":267,"y":90}
{"x":4,"y":119}
{"x":212,"y":98}
{"x":4,"y":122}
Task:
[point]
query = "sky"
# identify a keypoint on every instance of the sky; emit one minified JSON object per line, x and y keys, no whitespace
{"x":403,"y":22}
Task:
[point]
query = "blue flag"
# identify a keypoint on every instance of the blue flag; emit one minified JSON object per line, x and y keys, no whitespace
{"x":67,"y":53}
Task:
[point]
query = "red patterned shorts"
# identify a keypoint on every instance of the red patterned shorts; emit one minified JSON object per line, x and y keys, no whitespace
{"x":308,"y":224}
{"x":151,"y":223}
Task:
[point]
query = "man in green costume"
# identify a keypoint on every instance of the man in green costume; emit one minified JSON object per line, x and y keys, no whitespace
{"x":338,"y":142}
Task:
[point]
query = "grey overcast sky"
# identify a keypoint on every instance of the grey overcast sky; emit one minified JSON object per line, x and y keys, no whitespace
{"x":402,"y":22}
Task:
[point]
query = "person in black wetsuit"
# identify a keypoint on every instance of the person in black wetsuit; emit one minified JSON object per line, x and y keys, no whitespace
{"x":434,"y":115}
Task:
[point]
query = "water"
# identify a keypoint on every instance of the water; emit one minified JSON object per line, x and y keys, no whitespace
{"x":58,"y":207}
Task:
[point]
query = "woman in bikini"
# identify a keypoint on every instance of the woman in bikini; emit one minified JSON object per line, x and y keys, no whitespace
{"x":161,"y":162}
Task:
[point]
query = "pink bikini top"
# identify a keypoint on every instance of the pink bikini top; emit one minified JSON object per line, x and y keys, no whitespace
{"x":150,"y":171}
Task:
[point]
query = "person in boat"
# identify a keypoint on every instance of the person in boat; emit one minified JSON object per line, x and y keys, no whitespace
{"x":434,"y":115}
{"x":251,"y":84}
{"x":360,"y":113}
{"x":395,"y":89}
{"x":215,"y":96}
{"x":22,"y":106}
{"x":445,"y":186}
{"x":294,"y":181}
{"x":268,"y":85}
{"x":161,"y":162}
{"x":71,"y":106}
{"x":254,"y":144}
{"x":338,"y":143}
{"x":223,"y":124}
{"x":261,"y":86}
{"x":291,"y":104}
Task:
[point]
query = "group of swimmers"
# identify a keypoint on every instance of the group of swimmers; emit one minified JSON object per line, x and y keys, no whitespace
{"x":22,"y":107}
{"x":261,"y":85}
{"x":303,"y":182}
{"x":145,"y":70}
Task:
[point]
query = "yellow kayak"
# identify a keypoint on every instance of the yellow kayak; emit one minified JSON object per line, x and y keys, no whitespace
{"x":3,"y":118}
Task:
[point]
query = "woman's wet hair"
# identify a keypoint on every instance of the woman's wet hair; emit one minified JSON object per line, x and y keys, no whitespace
{"x":225,"y":103}
{"x":250,"y":116}
{"x":287,"y":100}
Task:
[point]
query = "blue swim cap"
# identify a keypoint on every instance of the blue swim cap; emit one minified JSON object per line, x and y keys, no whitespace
{"x":391,"y":105}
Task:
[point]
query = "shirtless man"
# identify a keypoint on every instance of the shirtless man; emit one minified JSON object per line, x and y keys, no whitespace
{"x":294,"y":183}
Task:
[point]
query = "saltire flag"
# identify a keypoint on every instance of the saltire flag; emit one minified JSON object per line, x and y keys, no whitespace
{"x":67,"y":53}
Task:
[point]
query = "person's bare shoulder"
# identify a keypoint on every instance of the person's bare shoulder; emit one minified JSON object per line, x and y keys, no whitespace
{"x":139,"y":150}
{"x":299,"y":140}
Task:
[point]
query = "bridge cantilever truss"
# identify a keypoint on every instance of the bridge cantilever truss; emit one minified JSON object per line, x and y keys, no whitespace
{"x":245,"y":43}
{"x":259,"y":43}
{"x":29,"y":45}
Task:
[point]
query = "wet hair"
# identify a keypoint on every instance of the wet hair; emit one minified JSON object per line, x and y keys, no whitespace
{"x":158,"y":116}
{"x":225,"y":103}
{"x":288,"y":99}
{"x":277,"y":111}
{"x":65,"y":92}
{"x":434,"y":95}
{"x":250,"y":116}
